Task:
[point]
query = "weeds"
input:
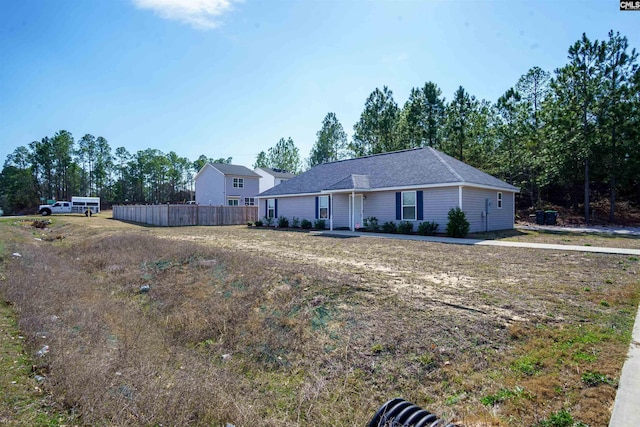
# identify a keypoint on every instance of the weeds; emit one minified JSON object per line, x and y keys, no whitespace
{"x":249,"y":327}
{"x":594,"y":379}
{"x":503,"y":395}
{"x":561,"y":418}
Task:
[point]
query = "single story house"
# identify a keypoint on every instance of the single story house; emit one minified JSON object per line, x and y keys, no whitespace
{"x":269,"y":177}
{"x":229,"y":185}
{"x":415,"y":185}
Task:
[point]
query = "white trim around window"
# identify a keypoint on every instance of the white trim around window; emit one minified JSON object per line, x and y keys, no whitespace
{"x":238,"y":182}
{"x":271,"y":208}
{"x":499,"y":203}
{"x":249,"y":201}
{"x":233,"y":201}
{"x":409,"y":206}
{"x":323,"y":207}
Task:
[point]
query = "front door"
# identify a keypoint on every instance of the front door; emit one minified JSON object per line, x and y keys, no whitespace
{"x":356,"y":213}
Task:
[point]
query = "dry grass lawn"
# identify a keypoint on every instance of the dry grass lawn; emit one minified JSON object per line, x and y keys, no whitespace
{"x":283,"y":328}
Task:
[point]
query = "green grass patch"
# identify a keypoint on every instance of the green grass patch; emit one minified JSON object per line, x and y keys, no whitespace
{"x":594,"y":379}
{"x":503,"y":395}
{"x":561,"y":418}
{"x":527,"y":365}
{"x":22,"y":400}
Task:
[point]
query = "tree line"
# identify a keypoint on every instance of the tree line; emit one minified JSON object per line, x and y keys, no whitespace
{"x":59,"y":167}
{"x":562,"y":137}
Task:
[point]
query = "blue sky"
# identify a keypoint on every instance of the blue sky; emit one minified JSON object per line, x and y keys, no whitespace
{"x":229,"y":79}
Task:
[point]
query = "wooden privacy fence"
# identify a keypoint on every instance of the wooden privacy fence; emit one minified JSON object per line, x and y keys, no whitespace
{"x":179,"y":215}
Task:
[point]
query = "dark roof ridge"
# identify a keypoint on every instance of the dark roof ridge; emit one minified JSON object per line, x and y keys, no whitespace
{"x":375,"y":155}
{"x":447,"y":165}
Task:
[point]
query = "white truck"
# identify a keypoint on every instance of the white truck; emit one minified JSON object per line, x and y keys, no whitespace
{"x":82,"y":205}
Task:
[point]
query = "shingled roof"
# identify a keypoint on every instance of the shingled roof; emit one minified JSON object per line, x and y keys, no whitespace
{"x":238,"y":170}
{"x":278,"y":173}
{"x":406,"y":168}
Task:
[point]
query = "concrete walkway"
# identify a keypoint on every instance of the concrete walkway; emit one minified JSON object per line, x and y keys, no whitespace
{"x":626,"y":410}
{"x":596,"y":229}
{"x":450,"y":240}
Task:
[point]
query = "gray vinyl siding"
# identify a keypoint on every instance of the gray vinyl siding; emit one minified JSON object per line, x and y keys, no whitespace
{"x":302,"y":207}
{"x":250,"y":189}
{"x":340,"y":210}
{"x":473,"y":204}
{"x":210,"y":187}
{"x":381,"y":205}
{"x":437,"y":204}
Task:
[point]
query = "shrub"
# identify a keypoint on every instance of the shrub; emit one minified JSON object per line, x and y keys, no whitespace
{"x":283,"y":222}
{"x":319,"y":224}
{"x":295,"y":222}
{"x":306,"y":224}
{"x":258,"y":223}
{"x":371,"y":223}
{"x":250,"y":224}
{"x":427,"y":228}
{"x":268,"y":221}
{"x":458,"y":226}
{"x":389,"y":227}
{"x":405,"y":227}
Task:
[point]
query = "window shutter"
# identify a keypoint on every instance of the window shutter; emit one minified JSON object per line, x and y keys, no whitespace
{"x":398,"y":206}
{"x":420,"y":205}
{"x":317,"y":206}
{"x":266,"y":207}
{"x":329,"y":206}
{"x":276,"y":208}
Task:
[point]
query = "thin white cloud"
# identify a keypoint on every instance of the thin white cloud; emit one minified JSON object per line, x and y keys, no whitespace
{"x":201,"y":14}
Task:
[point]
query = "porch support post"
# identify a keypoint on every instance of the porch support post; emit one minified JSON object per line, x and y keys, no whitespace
{"x":460,"y":196}
{"x":353,"y":211}
{"x":331,"y":210}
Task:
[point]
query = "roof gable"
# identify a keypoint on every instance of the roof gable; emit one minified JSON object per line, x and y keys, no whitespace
{"x":407,"y":168}
{"x":237,"y":170}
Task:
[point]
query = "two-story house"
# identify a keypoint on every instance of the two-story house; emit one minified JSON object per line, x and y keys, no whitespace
{"x":229,"y":185}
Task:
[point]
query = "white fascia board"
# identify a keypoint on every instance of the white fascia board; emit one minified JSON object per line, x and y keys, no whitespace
{"x":404,"y":188}
{"x":280,"y":196}
{"x":417,"y":187}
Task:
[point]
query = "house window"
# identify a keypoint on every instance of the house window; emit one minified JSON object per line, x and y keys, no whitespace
{"x":233,"y":202}
{"x":499,"y":199}
{"x":271,"y":208}
{"x":408,"y":205}
{"x":249,"y":201}
{"x":323,"y":207}
{"x":238,"y":182}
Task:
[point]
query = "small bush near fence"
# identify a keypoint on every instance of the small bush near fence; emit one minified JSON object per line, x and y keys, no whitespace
{"x":427,"y":228}
{"x":306,"y":224}
{"x":267,"y":221}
